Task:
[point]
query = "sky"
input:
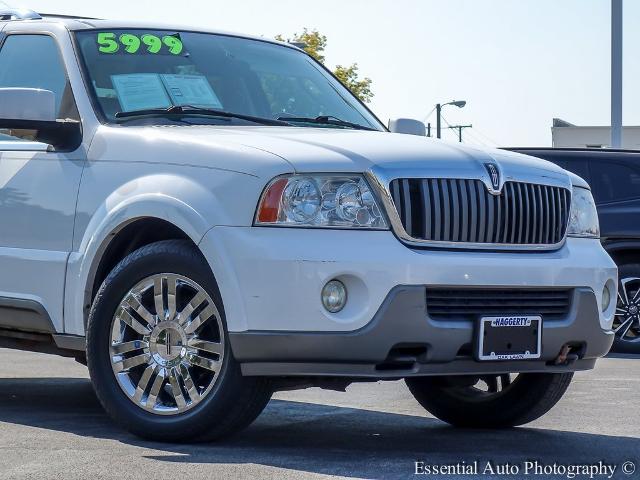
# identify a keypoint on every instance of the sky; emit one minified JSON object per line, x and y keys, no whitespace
{"x":517,"y":63}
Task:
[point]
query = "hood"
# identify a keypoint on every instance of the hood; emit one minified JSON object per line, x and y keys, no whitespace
{"x":309,"y":150}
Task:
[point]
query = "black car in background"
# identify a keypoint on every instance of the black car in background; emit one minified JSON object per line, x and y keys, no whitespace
{"x":614,"y":176}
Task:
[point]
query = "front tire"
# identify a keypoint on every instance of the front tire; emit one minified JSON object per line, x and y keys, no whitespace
{"x":158,"y":350}
{"x":494,"y":401}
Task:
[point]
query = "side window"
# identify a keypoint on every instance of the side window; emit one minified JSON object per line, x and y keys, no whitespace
{"x":33,"y":61}
{"x":614,"y":181}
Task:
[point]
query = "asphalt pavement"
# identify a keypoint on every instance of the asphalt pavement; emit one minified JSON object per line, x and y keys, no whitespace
{"x":52,"y":426}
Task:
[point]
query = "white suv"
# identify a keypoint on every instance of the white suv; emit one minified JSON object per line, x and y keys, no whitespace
{"x":205,"y":218}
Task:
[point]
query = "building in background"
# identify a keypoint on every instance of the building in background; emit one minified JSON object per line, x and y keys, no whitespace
{"x":565,"y":134}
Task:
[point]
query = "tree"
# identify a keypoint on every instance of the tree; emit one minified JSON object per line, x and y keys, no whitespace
{"x":312,"y":42}
{"x":349,"y":77}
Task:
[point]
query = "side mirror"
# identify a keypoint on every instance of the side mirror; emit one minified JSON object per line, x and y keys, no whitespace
{"x":27,"y":104}
{"x":407,"y":126}
{"x":35,"y":109}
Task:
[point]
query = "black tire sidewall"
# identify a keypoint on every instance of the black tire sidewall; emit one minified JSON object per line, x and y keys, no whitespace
{"x":531,"y":396}
{"x":164,"y":257}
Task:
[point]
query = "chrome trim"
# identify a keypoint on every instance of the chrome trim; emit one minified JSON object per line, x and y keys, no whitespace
{"x":22,"y":146}
{"x":523,"y":356}
{"x":380,"y":179}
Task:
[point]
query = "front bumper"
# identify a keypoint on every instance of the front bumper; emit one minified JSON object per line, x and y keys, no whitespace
{"x":402,"y":340}
{"x":271,"y":278}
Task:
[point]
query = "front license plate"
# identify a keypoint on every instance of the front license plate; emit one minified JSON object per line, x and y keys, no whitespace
{"x":510,"y":338}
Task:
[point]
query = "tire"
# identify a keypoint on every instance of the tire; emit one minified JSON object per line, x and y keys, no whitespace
{"x":627,"y":340}
{"x":459,"y":402}
{"x":230,"y":401}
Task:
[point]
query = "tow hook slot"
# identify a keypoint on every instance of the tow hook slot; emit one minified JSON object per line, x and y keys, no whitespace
{"x":403,"y":357}
{"x":568,"y":355}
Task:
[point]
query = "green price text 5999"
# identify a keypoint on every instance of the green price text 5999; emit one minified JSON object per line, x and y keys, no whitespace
{"x":109,"y":43}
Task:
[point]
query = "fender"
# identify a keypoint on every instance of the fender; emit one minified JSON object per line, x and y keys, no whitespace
{"x":112,"y":216}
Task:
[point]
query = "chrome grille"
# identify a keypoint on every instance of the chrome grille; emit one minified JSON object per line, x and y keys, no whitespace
{"x":463,"y":211}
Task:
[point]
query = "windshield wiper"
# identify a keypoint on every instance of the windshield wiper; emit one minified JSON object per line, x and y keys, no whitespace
{"x":326,"y":120}
{"x":181,"y":110}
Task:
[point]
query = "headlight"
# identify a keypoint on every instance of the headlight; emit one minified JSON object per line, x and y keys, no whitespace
{"x":583,"y":221}
{"x":341,"y":201}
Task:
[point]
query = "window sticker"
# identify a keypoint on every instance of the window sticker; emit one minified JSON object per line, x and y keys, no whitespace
{"x":110,"y":43}
{"x":191,"y":90}
{"x":139,"y":91}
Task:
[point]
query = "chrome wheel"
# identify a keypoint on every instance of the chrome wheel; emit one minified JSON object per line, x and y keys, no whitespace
{"x":167,"y":344}
{"x":626,"y":324}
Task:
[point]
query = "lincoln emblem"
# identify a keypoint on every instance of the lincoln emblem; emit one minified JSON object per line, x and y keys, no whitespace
{"x":494,"y":174}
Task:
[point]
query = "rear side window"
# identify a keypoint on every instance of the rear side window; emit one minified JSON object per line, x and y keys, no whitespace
{"x":33,"y":61}
{"x":615,"y":181}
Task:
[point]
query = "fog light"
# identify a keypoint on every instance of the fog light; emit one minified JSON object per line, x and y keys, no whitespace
{"x":606,"y":298}
{"x":334,"y":296}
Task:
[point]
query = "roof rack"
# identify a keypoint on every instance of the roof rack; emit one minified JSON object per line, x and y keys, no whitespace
{"x":69,"y":17}
{"x":18,"y":14}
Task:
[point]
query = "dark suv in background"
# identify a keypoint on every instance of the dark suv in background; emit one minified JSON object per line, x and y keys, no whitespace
{"x":614,"y":176}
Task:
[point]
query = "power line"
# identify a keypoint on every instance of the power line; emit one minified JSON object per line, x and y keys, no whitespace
{"x":449,"y":126}
{"x":429,"y":114}
{"x":471,"y":133}
{"x":476,"y":139}
{"x":495,"y":144}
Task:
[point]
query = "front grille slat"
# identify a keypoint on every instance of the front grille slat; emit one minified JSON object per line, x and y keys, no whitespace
{"x":464,"y":211}
{"x":520,"y":202}
{"x":455,"y":208}
{"x":437,"y":211}
{"x":462,"y":303}
{"x":541,"y":214}
{"x":473,"y":196}
{"x":406,"y":197}
{"x":527,"y":209}
{"x":482,"y":210}
{"x":426,"y":198}
{"x":446,"y":208}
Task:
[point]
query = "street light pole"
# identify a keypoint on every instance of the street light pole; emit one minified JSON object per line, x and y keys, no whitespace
{"x":616,"y":73}
{"x":457,"y":103}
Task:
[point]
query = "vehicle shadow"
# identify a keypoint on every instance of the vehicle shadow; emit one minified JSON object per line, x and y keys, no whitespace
{"x":321,"y":439}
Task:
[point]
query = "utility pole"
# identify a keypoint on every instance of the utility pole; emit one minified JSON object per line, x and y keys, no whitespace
{"x":616,"y":73}
{"x":460,"y":128}
{"x":429,"y":129}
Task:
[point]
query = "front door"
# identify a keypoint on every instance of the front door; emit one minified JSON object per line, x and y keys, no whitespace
{"x":38,"y":191}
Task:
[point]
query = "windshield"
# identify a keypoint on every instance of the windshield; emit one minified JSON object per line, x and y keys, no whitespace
{"x":138,"y":70}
